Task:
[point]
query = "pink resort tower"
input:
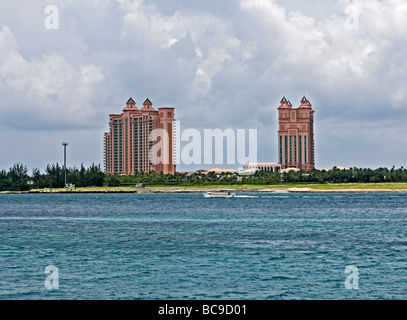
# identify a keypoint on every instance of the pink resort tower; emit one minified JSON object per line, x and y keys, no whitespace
{"x":296,"y":135}
{"x":134,"y":142}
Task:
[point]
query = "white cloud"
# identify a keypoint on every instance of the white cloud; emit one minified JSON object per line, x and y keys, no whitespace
{"x":7,"y":44}
{"x":49,"y":89}
{"x":157,"y":33}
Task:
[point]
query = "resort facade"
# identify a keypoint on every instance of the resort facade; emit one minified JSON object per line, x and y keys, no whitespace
{"x":296,"y":135}
{"x":132,"y":144}
{"x":252,"y":168}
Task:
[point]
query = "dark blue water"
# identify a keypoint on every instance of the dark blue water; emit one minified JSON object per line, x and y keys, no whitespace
{"x":183,"y":246}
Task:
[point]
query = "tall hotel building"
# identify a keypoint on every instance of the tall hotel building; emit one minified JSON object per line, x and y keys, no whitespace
{"x":296,"y":135}
{"x":130,"y":145}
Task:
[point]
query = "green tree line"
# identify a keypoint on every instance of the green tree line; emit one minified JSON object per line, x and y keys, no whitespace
{"x":18,"y":178}
{"x":353,"y":175}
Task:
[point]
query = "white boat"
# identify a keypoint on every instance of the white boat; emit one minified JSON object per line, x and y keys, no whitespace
{"x":219,"y":194}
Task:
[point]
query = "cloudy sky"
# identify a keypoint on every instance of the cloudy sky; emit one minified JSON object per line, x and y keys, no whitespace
{"x":221,"y":64}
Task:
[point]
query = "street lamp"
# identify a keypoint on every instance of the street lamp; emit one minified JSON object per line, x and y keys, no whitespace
{"x":65,"y":144}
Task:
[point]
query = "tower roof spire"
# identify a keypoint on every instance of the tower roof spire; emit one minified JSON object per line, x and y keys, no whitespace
{"x":305,"y":103}
{"x":130,"y":104}
{"x":147,"y":104}
{"x":285,"y":103}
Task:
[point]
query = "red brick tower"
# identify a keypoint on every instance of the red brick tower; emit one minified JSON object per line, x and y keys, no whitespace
{"x":128,"y":146}
{"x":296,"y":135}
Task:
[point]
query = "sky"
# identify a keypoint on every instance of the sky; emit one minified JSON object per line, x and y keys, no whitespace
{"x":220,"y":64}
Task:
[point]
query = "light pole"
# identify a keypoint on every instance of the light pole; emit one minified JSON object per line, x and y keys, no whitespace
{"x":65,"y":145}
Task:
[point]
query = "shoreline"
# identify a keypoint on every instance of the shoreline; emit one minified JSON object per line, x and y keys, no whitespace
{"x":202,"y":190}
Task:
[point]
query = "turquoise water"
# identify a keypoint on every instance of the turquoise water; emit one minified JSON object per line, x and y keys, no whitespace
{"x":184,"y":246}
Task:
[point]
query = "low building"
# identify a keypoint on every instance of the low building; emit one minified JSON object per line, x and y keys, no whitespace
{"x":217,"y":170}
{"x":252,"y":168}
{"x":337,"y":168}
{"x":290,"y":169}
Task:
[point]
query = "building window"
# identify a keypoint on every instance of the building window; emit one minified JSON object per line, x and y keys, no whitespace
{"x":126,"y":142}
{"x":300,"y":150}
{"x":305,"y":149}
{"x":281,"y":149}
{"x":295,"y":149}
{"x":291,"y":151}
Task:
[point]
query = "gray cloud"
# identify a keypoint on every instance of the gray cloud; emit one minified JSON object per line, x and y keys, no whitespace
{"x":222,"y":65}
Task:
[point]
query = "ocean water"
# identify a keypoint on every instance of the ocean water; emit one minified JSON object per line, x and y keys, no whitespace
{"x":184,"y":246}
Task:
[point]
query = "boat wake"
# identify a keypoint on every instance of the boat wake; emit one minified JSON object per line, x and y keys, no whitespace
{"x":242,"y":196}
